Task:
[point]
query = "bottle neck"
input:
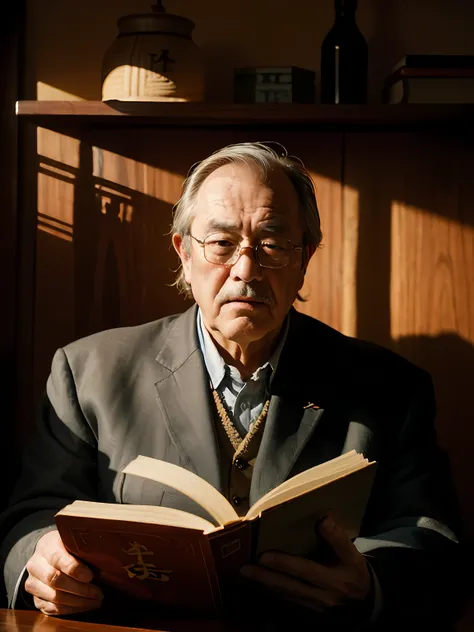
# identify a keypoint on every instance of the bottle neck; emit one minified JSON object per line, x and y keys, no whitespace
{"x":345,"y":15}
{"x":345,"y":18}
{"x":345,"y":10}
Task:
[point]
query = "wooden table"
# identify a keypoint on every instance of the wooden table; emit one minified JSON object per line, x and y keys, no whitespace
{"x":33,"y":621}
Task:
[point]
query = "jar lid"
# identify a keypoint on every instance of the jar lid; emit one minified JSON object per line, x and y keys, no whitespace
{"x":157,"y":22}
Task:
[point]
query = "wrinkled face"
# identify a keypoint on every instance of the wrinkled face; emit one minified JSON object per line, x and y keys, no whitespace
{"x":243,"y":302}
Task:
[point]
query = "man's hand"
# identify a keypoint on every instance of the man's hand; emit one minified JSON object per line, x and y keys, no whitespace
{"x":59,"y":583}
{"x":313,"y":585}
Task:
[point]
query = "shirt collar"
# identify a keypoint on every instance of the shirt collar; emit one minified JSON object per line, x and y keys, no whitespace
{"x":215,"y":365}
{"x":213,"y":360}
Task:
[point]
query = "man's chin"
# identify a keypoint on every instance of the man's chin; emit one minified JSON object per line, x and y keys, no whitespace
{"x":245,"y":326}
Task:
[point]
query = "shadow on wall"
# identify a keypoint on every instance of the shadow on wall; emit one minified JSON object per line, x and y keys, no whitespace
{"x":385,"y":43}
{"x":450,"y":360}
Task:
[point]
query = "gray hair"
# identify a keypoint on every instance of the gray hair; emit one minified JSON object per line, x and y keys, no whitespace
{"x":266,"y":159}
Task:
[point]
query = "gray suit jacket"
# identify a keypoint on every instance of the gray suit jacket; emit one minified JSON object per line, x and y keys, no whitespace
{"x":144,"y":390}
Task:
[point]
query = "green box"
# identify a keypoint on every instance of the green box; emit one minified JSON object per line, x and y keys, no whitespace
{"x":274,"y":84}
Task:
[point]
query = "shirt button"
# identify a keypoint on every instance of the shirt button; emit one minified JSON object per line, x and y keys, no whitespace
{"x":240,"y":464}
{"x":244,"y":406}
{"x":236,"y":500}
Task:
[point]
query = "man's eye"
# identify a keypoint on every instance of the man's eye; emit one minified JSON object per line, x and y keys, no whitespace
{"x":271,"y":246}
{"x":221,"y":246}
{"x":222,"y":243}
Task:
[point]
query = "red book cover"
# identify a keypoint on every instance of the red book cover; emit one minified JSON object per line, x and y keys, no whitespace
{"x":170,"y":565}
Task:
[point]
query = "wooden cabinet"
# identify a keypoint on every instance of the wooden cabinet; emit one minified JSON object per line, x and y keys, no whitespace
{"x":393,"y":185}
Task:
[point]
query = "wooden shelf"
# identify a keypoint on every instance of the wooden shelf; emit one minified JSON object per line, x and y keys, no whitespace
{"x":133,"y":114}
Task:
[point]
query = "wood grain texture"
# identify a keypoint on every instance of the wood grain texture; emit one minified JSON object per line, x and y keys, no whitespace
{"x":415,"y":271}
{"x":83,"y":113}
{"x":35,"y":621}
{"x":323,"y":287}
{"x":432,"y":244}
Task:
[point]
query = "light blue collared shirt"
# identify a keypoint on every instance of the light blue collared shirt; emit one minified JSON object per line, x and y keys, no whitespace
{"x":244,"y":400}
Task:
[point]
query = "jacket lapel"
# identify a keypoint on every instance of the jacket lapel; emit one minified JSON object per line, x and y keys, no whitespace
{"x":287,"y":430}
{"x":294,"y":413}
{"x":184,"y":399}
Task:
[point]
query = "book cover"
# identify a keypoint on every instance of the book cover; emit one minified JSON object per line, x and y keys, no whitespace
{"x":412,"y":88}
{"x":435,"y":61}
{"x":171,"y":565}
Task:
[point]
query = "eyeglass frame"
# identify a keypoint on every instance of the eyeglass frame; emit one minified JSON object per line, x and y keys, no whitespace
{"x":238,"y":252}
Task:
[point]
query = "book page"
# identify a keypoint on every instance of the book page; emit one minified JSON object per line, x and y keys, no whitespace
{"x":304,"y":483}
{"x":266,"y":502}
{"x":137,"y":513}
{"x":291,"y":527}
{"x":185,"y":482}
{"x":318,"y":471}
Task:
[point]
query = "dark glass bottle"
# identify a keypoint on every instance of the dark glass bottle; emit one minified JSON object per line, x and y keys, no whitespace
{"x":344,"y":58}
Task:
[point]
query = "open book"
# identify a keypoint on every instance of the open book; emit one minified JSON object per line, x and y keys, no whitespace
{"x":183,"y":560}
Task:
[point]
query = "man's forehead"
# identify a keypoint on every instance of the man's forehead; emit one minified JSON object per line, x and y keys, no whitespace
{"x":232,"y":179}
{"x":246,"y":183}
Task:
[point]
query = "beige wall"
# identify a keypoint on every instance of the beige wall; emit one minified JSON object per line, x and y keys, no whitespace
{"x":68,"y":39}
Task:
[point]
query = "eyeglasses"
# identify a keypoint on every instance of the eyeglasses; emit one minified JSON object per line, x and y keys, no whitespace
{"x":270,"y":252}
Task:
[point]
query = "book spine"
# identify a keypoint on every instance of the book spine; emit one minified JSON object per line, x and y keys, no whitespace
{"x":405,"y":73}
{"x":438,"y":61}
{"x":232,"y":547}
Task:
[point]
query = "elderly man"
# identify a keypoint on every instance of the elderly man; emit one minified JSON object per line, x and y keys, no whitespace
{"x":245,"y":228}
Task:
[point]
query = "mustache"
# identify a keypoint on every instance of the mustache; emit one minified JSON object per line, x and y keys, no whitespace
{"x":245,"y":290}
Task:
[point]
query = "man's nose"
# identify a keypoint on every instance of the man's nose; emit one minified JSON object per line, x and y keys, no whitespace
{"x":246,"y":267}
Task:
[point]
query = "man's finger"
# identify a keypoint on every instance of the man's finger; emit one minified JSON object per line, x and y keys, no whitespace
{"x":40,"y":569}
{"x":291,"y":588}
{"x":305,"y":603}
{"x":66,"y":563}
{"x":299,"y":567}
{"x":52,"y":609}
{"x":51,"y":547}
{"x":338,"y":539}
{"x":59,"y":597}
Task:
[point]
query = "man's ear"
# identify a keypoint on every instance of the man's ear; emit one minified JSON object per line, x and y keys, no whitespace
{"x":181,"y":245}
{"x":308,"y":252}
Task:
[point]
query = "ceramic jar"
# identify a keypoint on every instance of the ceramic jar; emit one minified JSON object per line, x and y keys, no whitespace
{"x":153,"y":59}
